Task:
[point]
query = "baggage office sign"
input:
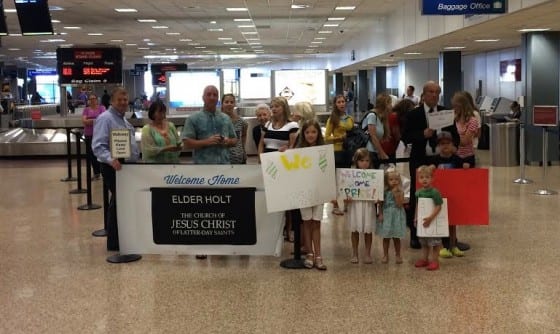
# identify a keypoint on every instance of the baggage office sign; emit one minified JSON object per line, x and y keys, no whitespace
{"x":463,"y":7}
{"x":204,"y":216}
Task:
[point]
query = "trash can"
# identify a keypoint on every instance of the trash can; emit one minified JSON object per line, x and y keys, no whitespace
{"x":504,"y":144}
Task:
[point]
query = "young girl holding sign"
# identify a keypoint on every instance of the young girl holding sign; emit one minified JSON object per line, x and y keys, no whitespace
{"x":392,"y":218}
{"x":312,"y":136}
{"x":361,"y":214}
{"x":424,"y":176}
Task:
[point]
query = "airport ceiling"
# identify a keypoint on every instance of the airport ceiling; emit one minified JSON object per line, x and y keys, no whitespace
{"x":204,"y":34}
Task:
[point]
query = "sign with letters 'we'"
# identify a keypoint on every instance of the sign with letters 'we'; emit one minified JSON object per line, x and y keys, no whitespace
{"x":298,"y":178}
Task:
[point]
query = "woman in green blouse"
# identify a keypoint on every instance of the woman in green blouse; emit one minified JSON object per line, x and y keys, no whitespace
{"x":160,"y":141}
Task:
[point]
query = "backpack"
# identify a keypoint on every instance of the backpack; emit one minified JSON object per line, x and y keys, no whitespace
{"x":358,"y":137}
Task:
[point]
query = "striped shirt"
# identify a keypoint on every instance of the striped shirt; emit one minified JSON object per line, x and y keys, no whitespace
{"x":276,"y":138}
{"x":470,"y":126}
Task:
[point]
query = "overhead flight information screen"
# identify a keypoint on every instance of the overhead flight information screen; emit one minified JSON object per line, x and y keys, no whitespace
{"x":89,"y":65}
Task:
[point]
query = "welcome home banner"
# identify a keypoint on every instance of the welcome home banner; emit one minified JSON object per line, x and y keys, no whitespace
{"x":360,"y":184}
{"x":298,"y":178}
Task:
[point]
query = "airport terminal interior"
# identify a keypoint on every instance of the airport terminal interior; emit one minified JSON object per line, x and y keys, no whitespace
{"x":54,"y":275}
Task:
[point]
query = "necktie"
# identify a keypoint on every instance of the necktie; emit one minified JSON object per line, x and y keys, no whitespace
{"x":431,"y":110}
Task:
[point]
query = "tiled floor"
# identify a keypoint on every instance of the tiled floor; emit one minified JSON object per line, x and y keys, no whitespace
{"x":54,"y":277}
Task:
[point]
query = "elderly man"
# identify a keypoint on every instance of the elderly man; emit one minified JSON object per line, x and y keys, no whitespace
{"x":112,"y":119}
{"x":209,"y":133}
{"x":417,"y":132}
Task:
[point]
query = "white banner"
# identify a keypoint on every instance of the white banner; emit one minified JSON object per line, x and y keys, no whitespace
{"x":299,"y":178}
{"x":360,"y":184}
{"x":440,"y":119}
{"x":439,"y":226}
{"x":134,"y":207}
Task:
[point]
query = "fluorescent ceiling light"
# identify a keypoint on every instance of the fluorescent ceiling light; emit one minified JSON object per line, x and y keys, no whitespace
{"x":200,"y":47}
{"x":125,"y":10}
{"x":212,"y":22}
{"x":242,"y":20}
{"x":486,"y":40}
{"x":216,"y":29}
{"x":150,"y":44}
{"x":95,"y":34}
{"x":300,"y":6}
{"x":317,"y":42}
{"x":324,"y":32}
{"x":160,"y":27}
{"x":236,"y":9}
{"x":185,"y":40}
{"x":194,"y":44}
{"x":249,"y":32}
{"x":230,"y":43}
{"x":143,"y":48}
{"x":172,"y":57}
{"x":252,"y":39}
{"x":52,"y":40}
{"x":320,"y":38}
{"x":146,"y":20}
{"x":117,"y":40}
{"x":336,"y":19}
{"x":9,"y":10}
{"x":72,"y":28}
{"x":246,"y":26}
{"x":225,"y":38}
{"x":533,"y":29}
{"x":345,"y":8}
{"x":255,"y":43}
{"x":55,"y":21}
{"x":15,"y":34}
{"x":13,"y":49}
{"x":173,"y":33}
{"x":313,"y":46}
{"x":55,"y":8}
{"x":330,"y":25}
{"x":412,"y":53}
{"x":130,"y":44}
{"x":453,"y":47}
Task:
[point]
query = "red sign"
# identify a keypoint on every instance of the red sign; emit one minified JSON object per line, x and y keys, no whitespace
{"x":466,"y":191}
{"x":88,"y":54}
{"x":545,"y":115}
{"x":95,"y":70}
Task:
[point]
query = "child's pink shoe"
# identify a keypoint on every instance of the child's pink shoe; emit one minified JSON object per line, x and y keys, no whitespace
{"x":433,"y":266}
{"x":421,"y":263}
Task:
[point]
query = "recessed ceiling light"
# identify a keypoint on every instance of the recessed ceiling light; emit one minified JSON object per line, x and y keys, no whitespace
{"x":313,"y":46}
{"x":216,"y":29}
{"x":95,"y":34}
{"x":54,"y":8}
{"x":9,"y":10}
{"x":173,"y":33}
{"x":200,"y":47}
{"x":185,"y":40}
{"x":345,"y":8}
{"x":453,"y":47}
{"x":146,"y":20}
{"x":253,"y":39}
{"x":225,"y":38}
{"x":194,"y":44}
{"x":324,"y":32}
{"x":330,"y":25}
{"x":320,"y":38}
{"x":336,"y":19}
{"x":412,"y":53}
{"x":317,"y":42}
{"x":53,"y":40}
{"x":249,"y":32}
{"x":15,"y":35}
{"x":143,"y":48}
{"x":130,"y":44}
{"x":13,"y":49}
{"x":55,"y":21}
{"x":146,"y":40}
{"x":246,"y":26}
{"x":150,"y":44}
{"x":212,"y":22}
{"x":486,"y":40}
{"x":533,"y":29}
{"x":242,"y":20}
{"x":72,"y":28}
{"x":236,"y":9}
{"x":125,"y":10}
{"x":117,"y":40}
{"x":160,"y":27}
{"x":230,"y":43}
{"x":255,"y":43}
{"x":300,"y":6}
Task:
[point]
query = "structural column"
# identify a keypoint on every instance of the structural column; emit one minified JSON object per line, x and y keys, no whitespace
{"x":380,"y":82}
{"x":450,"y":75}
{"x":541,"y":68}
{"x":338,"y":83}
{"x":362,"y":91}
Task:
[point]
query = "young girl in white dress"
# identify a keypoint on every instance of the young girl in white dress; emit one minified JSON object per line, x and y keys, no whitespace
{"x":361,"y":214}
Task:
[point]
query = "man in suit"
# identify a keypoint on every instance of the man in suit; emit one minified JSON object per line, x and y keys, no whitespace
{"x":417,"y":132}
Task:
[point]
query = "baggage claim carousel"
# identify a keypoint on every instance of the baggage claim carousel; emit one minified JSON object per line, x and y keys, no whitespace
{"x":48,"y":136}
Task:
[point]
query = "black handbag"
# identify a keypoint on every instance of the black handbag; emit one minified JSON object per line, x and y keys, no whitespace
{"x":355,"y":139}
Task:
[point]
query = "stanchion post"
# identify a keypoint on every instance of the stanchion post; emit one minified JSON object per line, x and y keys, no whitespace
{"x":68,"y":158}
{"x":522,"y":179}
{"x":545,"y":191}
{"x":89,"y":205}
{"x":103,"y":232}
{"x":296,"y":262}
{"x":78,"y":190}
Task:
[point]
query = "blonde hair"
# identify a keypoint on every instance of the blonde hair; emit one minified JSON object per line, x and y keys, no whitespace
{"x":390,"y":172}
{"x":305,"y":110}
{"x":426,"y":170}
{"x":465,"y":108}
{"x":360,"y":154}
{"x":285,"y":107}
{"x":383,"y":107}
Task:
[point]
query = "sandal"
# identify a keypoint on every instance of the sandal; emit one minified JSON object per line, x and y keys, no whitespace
{"x":354,"y":259}
{"x":368,"y":260}
{"x":308,"y":262}
{"x":399,"y":260}
{"x":319,"y":263}
{"x":336,"y":211}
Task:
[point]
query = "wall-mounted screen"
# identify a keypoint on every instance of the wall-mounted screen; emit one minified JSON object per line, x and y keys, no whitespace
{"x":159,"y":70}
{"x":300,"y":85}
{"x":184,"y":88}
{"x":34,"y":17}
{"x":510,"y":70}
{"x":254,"y":84}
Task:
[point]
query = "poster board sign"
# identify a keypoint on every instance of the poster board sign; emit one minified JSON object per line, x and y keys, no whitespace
{"x":466,"y":191}
{"x":298,"y":178}
{"x":120,"y":143}
{"x":441,"y":119}
{"x":360,"y":184}
{"x":545,"y":115}
{"x":439,"y":227}
{"x":216,"y":216}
